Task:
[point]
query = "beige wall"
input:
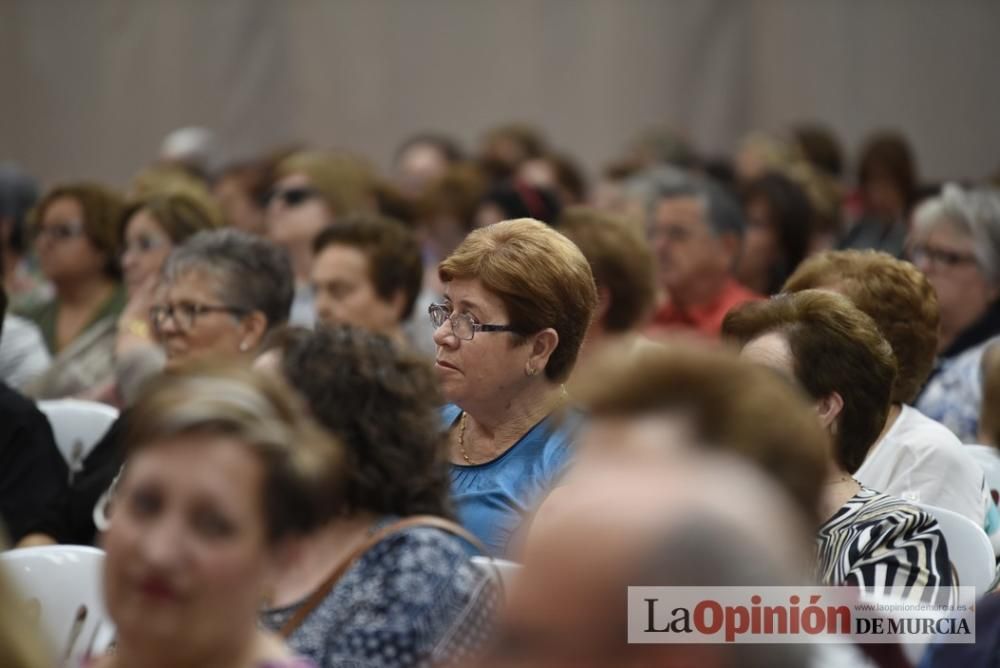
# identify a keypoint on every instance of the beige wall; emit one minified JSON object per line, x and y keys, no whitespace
{"x":91,"y":86}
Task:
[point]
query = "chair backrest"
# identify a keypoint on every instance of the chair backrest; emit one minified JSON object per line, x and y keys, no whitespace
{"x":77,"y":425}
{"x":63,"y":585}
{"x":501,"y":570}
{"x":969,"y":548}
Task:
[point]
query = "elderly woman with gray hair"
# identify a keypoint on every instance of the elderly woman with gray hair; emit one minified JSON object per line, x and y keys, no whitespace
{"x":955,"y":241}
{"x":222,"y":292}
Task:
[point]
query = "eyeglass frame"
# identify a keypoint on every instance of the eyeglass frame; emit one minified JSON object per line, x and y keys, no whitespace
{"x":473,"y":324}
{"x":159,"y":313}
{"x":941,"y":257}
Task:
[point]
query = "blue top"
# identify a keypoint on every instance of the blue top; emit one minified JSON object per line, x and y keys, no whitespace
{"x":492,"y":499}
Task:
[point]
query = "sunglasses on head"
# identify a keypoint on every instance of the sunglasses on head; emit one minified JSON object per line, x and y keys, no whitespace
{"x":292,"y":197}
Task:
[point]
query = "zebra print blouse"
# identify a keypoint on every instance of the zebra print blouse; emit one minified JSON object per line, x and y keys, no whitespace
{"x":886,"y":546}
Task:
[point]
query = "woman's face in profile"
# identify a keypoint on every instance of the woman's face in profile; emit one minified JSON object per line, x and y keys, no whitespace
{"x":187,"y":553}
{"x":146,"y":248}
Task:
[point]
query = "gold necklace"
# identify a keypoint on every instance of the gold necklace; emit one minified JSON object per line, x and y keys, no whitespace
{"x":461,"y":439}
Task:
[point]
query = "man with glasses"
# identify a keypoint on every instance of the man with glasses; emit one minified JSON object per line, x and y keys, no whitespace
{"x":696,"y":231}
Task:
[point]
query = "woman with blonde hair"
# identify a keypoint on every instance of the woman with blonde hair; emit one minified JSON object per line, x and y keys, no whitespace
{"x":311,"y":190}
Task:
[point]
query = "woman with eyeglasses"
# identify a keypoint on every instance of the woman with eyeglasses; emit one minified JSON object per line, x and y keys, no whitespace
{"x":311,"y":190}
{"x":222,"y":291}
{"x":74,"y":227}
{"x":518,"y":298}
{"x":955,"y":241}
{"x":151,"y":226}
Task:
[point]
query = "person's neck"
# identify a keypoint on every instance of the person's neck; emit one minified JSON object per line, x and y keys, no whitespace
{"x":703,"y":291}
{"x":301,"y":257}
{"x":838,"y":489}
{"x":493,"y":428}
{"x":599,"y":340}
{"x":319,"y":553}
{"x":895,"y":410}
{"x":84,"y":293}
{"x":237,"y":652}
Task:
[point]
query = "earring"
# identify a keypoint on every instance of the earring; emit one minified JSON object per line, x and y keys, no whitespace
{"x":244,"y":346}
{"x":529,"y":370}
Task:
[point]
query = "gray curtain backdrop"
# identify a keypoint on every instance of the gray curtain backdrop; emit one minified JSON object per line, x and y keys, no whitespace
{"x":90,"y":87}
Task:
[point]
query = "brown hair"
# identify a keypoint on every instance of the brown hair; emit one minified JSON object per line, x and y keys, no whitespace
{"x":382,"y":402}
{"x":731,"y":405}
{"x":392,"y":251}
{"x":890,"y":153}
{"x":896,"y":295}
{"x":101,"y":212}
{"x":456,"y":193}
{"x":542,"y":278}
{"x":346,"y":183}
{"x":181,"y":213}
{"x":303,"y":465}
{"x":989,"y":413}
{"x":835,"y":347}
{"x":620,"y":259}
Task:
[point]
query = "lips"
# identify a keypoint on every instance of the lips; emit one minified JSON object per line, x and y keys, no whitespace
{"x":158,"y":588}
{"x":446,"y":365}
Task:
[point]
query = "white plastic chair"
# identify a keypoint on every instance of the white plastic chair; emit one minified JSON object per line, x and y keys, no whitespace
{"x":63,"y":584}
{"x":503,"y":571}
{"x":968,"y":547}
{"x":77,"y":426}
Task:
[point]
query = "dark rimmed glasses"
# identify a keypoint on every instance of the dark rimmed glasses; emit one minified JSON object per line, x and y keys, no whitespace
{"x":185,"y":314}
{"x":463,"y":325}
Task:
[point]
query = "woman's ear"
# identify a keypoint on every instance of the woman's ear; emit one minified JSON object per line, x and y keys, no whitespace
{"x":829,"y":409}
{"x":542,"y":347}
{"x":254,"y":326}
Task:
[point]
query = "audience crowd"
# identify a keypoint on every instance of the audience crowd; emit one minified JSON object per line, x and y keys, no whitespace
{"x":447,"y":414}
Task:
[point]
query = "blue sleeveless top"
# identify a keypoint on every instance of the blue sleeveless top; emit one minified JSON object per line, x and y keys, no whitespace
{"x":492,"y":499}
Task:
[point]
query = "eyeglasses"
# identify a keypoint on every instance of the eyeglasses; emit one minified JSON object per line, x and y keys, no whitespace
{"x":463,"y":325}
{"x":144,"y":244}
{"x":292,"y":197}
{"x":942,"y":257}
{"x":186,"y":314}
{"x":59,"y":231}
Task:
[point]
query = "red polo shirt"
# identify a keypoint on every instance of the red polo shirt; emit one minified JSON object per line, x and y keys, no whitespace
{"x":705,"y":318}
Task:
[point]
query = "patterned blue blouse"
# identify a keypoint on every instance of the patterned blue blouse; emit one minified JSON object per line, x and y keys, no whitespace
{"x":494,"y":498}
{"x":413,"y":599}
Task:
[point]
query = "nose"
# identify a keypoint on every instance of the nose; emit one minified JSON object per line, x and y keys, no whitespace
{"x":324,"y":311}
{"x":128,"y":259}
{"x":167,"y":326}
{"x":161,"y":544}
{"x":444,"y":336}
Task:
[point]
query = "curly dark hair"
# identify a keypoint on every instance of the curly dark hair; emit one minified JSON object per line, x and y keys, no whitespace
{"x":382,"y":402}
